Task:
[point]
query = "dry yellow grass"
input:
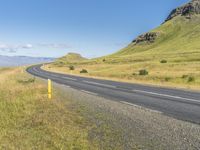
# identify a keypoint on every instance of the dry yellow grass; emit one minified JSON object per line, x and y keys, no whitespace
{"x":169,"y":74}
{"x":28,"y":120}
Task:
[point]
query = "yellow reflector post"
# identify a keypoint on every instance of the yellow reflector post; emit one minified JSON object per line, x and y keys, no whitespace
{"x":49,"y":89}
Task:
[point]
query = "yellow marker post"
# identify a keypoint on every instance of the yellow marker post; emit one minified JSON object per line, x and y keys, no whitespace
{"x":49,"y":89}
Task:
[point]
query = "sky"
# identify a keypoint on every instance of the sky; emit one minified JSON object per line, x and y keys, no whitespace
{"x":92,"y":28}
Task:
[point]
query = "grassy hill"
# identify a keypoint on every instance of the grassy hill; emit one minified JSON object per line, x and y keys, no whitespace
{"x":70,"y":58}
{"x":175,"y":40}
{"x":170,"y":54}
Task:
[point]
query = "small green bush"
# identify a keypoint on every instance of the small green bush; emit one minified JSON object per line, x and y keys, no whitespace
{"x":185,"y":76}
{"x":143,"y":72}
{"x":190,"y":79}
{"x":83,"y":71}
{"x":26,"y":81}
{"x":104,"y":60}
{"x":163,"y":61}
{"x":167,"y":79}
{"x":71,"y":67}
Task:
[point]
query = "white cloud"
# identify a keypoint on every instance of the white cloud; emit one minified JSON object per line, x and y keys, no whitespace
{"x":27,"y":46}
{"x":13,"y":48}
{"x":53,"y":45}
{"x":3,"y":46}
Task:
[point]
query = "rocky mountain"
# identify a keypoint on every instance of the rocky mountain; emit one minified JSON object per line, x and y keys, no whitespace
{"x":186,"y":10}
{"x":147,"y":37}
{"x":9,"y":61}
{"x":180,"y":33}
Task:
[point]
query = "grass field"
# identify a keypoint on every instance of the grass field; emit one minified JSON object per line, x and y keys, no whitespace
{"x":74,"y":120}
{"x":177,"y":44}
{"x":28,"y":120}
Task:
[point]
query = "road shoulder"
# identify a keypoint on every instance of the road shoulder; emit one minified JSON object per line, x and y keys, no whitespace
{"x":119,"y":124}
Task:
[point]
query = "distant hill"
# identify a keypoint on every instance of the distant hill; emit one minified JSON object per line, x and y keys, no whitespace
{"x":9,"y":61}
{"x":71,"y":58}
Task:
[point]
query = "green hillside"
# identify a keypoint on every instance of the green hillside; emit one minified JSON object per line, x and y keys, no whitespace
{"x":170,"y":54}
{"x":177,"y":40}
{"x":70,"y":58}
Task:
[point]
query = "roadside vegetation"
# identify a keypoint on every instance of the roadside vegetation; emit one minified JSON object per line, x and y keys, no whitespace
{"x":79,"y":121}
{"x":31,"y":121}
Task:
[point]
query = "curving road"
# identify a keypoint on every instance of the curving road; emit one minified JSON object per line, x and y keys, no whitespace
{"x":180,"y":104}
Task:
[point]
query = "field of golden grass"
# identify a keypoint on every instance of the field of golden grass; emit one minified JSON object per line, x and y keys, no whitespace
{"x":28,"y":120}
{"x":171,"y":74}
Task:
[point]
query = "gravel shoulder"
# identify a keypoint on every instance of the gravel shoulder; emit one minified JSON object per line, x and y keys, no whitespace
{"x":122,"y":126}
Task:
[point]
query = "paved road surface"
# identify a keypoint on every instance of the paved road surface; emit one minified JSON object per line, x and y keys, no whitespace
{"x":180,"y":104}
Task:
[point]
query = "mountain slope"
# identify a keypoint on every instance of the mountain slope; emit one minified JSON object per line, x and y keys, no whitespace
{"x":170,"y":54}
{"x":178,"y":34}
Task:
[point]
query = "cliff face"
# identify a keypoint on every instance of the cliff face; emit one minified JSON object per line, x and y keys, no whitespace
{"x":186,"y":10}
{"x":147,"y":38}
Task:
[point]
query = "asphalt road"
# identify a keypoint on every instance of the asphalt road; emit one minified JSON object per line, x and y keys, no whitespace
{"x":180,"y":104}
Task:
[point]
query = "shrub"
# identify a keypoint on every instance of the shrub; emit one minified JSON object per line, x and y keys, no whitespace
{"x":71,"y":67}
{"x":143,"y":72}
{"x":163,"y":61}
{"x":185,"y":76}
{"x":104,"y":60}
{"x":26,"y":81}
{"x":167,"y":79}
{"x":83,"y":71}
{"x":191,"y":79}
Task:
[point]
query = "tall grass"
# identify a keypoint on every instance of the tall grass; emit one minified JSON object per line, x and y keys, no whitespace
{"x":28,"y":120}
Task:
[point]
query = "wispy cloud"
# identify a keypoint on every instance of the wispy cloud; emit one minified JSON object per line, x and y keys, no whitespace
{"x":14,"y":48}
{"x":27,"y":46}
{"x":54,"y":45}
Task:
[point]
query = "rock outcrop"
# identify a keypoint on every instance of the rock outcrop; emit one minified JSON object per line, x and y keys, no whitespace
{"x":186,"y":10}
{"x":149,"y":37}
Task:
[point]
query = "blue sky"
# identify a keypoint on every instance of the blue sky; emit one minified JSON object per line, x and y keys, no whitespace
{"x":52,"y":28}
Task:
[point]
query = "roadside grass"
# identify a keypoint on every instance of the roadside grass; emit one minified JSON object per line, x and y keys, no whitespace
{"x":28,"y":120}
{"x":169,"y":74}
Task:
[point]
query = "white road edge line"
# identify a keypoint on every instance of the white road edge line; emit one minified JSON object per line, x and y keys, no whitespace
{"x":69,"y":78}
{"x":88,"y":92}
{"x":151,"y":110}
{"x":165,"y":95}
{"x":95,"y":83}
{"x":67,"y":86}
